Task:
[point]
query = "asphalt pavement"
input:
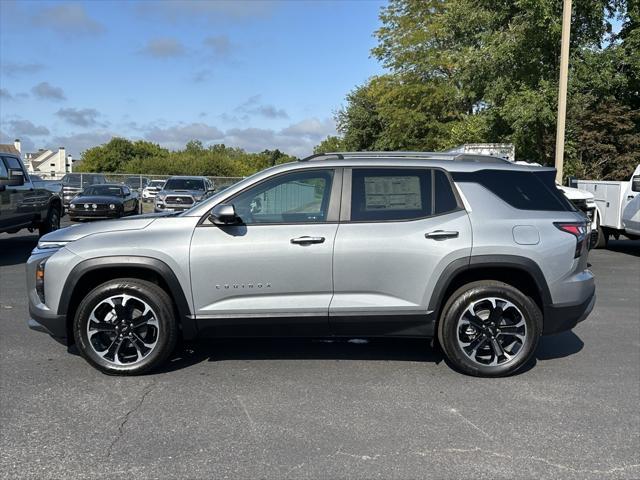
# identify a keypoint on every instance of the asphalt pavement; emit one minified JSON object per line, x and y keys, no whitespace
{"x":317,"y":409}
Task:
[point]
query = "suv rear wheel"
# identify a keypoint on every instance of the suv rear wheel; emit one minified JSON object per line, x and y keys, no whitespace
{"x":125,"y":326}
{"x":51,"y":223}
{"x":489,"y":329}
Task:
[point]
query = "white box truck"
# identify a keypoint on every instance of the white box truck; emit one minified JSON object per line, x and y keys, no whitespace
{"x":617,"y":207}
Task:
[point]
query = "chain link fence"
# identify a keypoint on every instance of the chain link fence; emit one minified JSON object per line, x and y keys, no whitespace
{"x":133,"y":181}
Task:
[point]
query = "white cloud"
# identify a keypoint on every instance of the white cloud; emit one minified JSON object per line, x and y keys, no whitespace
{"x":68,"y":20}
{"x":177,"y":136}
{"x":208,"y":11}
{"x":19,"y":128}
{"x":83,"y":117}
{"x":164,"y":47}
{"x":45,"y":90}
{"x":14,"y":69}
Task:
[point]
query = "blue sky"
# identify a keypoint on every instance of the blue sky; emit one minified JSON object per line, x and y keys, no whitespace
{"x":255,"y":74}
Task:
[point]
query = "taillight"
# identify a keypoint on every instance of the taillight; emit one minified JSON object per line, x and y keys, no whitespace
{"x":578,"y":230}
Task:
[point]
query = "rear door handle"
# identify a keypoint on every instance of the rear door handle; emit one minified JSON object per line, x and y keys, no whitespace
{"x":441,"y":235}
{"x":307,"y":240}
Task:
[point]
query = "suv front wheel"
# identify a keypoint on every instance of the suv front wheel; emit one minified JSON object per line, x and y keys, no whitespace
{"x":489,"y":329}
{"x":125,"y":326}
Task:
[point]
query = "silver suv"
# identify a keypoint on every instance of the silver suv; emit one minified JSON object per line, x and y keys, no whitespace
{"x":181,"y":193}
{"x":483,"y":255}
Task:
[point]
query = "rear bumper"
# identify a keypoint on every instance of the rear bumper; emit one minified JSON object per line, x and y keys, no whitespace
{"x":559,"y":318}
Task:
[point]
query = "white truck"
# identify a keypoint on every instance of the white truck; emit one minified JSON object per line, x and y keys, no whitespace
{"x":617,"y":207}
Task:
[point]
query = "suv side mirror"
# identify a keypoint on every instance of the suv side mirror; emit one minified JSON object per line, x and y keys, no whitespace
{"x":224,"y":214}
{"x":635,"y":183}
{"x":14,"y":178}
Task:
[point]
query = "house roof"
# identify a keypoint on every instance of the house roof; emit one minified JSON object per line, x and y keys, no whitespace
{"x":8,"y":148}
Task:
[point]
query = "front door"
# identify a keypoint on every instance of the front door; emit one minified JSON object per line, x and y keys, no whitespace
{"x":399,"y":228}
{"x":15,"y":208}
{"x":272,"y":273}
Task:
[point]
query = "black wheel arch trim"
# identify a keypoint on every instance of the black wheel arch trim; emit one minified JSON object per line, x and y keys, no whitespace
{"x":189,"y":327}
{"x":478,"y":262}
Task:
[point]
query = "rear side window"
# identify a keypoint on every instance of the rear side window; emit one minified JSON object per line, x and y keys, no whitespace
{"x":521,"y":190}
{"x":390,"y":194}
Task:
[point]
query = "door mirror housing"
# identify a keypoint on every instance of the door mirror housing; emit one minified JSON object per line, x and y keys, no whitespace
{"x":635,"y":183}
{"x":14,"y":178}
{"x":224,"y":214}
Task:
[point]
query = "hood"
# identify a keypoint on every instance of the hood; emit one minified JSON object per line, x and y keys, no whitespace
{"x":575,"y":193}
{"x":97,"y":199}
{"x":78,"y":231}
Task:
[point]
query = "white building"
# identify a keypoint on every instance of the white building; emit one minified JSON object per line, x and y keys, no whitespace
{"x":47,"y":162}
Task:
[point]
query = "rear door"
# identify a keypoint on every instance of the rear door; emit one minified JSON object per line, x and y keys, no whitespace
{"x":272,"y":274}
{"x":399,"y":228}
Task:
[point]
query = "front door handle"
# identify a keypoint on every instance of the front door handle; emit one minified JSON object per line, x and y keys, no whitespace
{"x":441,"y":235}
{"x":307,"y":240}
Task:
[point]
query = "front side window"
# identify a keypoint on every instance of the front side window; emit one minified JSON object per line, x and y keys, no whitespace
{"x":3,"y":170}
{"x":386,"y":194}
{"x":13,"y":163}
{"x":297,"y":197}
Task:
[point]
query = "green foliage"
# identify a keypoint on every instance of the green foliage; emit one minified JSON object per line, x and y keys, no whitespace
{"x":329,"y":144}
{"x":125,"y":156}
{"x":464,"y":71}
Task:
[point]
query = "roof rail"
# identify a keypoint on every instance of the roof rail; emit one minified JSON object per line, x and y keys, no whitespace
{"x":451,"y":156}
{"x":318,"y":156}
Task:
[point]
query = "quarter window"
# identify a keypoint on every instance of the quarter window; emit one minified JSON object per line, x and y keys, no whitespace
{"x":297,"y":197}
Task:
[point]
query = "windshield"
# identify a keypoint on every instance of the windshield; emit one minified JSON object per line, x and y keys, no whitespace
{"x":74,"y":179}
{"x":184,"y":184}
{"x":157,"y":183}
{"x":104,"y":190}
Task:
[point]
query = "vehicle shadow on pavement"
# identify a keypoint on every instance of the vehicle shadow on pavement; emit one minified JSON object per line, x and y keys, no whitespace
{"x":629,"y":247}
{"x":398,"y":350}
{"x":558,"y":346}
{"x":16,"y":250}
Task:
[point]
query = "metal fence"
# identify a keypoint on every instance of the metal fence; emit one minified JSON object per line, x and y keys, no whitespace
{"x":134,"y":181}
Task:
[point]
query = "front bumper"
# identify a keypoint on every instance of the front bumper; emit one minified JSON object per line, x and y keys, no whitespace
{"x":88,"y":214}
{"x":562,"y":317}
{"x":172,"y":208}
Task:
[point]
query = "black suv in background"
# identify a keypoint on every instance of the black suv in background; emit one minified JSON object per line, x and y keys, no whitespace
{"x":74,"y":183}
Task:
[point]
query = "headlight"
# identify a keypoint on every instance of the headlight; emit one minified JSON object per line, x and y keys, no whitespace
{"x":72,"y":205}
{"x":112,"y":206}
{"x":40,"y":279}
{"x":45,"y":245}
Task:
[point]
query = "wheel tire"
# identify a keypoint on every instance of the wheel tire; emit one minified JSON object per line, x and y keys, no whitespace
{"x":603,"y":236}
{"x":51,"y":223}
{"x":461,"y":300}
{"x":141,"y":291}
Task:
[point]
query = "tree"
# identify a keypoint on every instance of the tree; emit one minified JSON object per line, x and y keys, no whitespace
{"x":330,"y":144}
{"x":487,"y":71}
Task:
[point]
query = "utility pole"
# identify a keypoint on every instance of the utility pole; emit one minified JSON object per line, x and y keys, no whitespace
{"x":562,"y":90}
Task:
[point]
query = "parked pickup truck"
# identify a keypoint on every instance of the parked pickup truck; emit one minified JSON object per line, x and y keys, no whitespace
{"x":25,"y":202}
{"x":617,"y":207}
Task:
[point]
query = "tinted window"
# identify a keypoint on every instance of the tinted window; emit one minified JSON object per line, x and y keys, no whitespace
{"x":13,"y":162}
{"x":298,"y":197}
{"x":184,"y":184}
{"x":445,"y":199}
{"x":390,"y":194}
{"x":3,"y":170}
{"x":522,"y":190}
